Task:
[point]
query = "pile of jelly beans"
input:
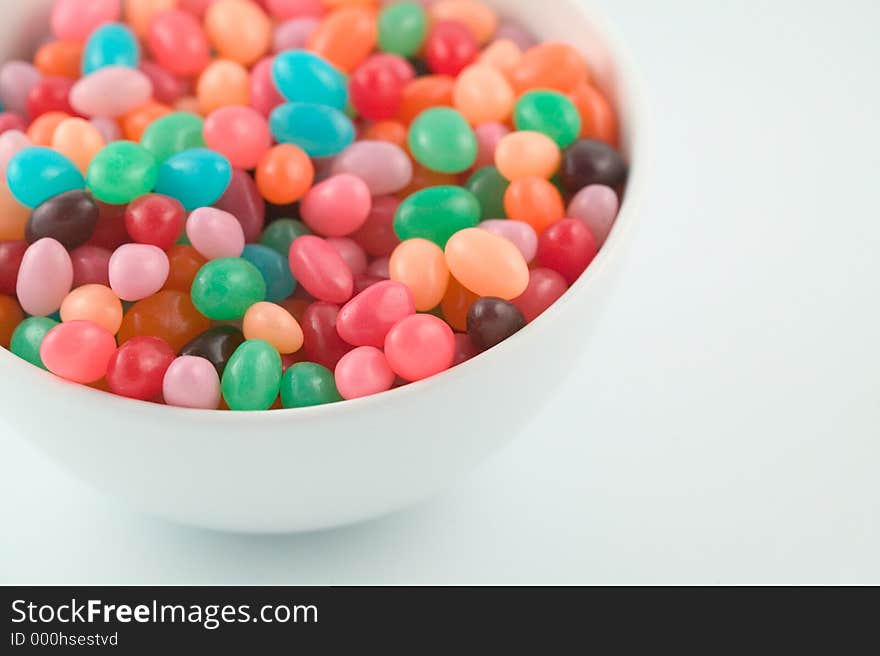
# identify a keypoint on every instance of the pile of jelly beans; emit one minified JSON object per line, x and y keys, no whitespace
{"x":254,"y":204}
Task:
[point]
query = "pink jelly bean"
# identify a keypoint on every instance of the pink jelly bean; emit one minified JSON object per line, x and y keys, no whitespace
{"x":520,"y":233}
{"x":516,"y":33}
{"x":167,"y":88}
{"x":192,"y":382}
{"x":365,"y":281}
{"x":195,"y":7}
{"x":11,"y":143}
{"x":178,"y":43}
{"x":111,"y":91}
{"x":545,"y":288}
{"x":338,"y":206}
{"x":215,"y":233}
{"x":293,"y":34}
{"x":464,"y":349}
{"x":287,"y":9}
{"x":137,"y":271}
{"x":321,"y":270}
{"x":243,"y":200}
{"x":10,"y":121}
{"x":597,"y":206}
{"x":45,"y":277}
{"x":363,"y":372}
{"x":367,"y":318}
{"x":17,"y":80}
{"x":91,"y":266}
{"x":108,"y":128}
{"x":240,"y":133}
{"x":264,"y":95}
{"x":352,"y":253}
{"x":488,"y":137}
{"x":419,"y":347}
{"x":377,"y":236}
{"x":74,"y":20}
{"x":79,"y":351}
{"x":380,"y":267}
{"x":385,"y":167}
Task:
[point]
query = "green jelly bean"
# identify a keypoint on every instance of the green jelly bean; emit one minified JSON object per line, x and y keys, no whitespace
{"x":437,"y":213}
{"x":172,"y":134}
{"x":442,"y":140}
{"x":252,"y":377}
{"x":550,"y":113}
{"x":489,"y":186}
{"x":307,"y":384}
{"x":224,"y":289}
{"x":121,"y":172}
{"x":28,"y":337}
{"x":280,"y":234}
{"x":403,"y":27}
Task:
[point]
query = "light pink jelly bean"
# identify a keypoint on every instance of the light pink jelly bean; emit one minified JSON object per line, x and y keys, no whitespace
{"x":293,"y":34}
{"x":264,"y":95}
{"x":91,"y":266}
{"x":381,"y":268}
{"x":167,"y":88}
{"x":79,"y":351}
{"x":363,"y":372}
{"x":350,"y":251}
{"x":367,"y":318}
{"x":74,"y":20}
{"x":111,"y":91}
{"x":192,"y":382}
{"x":520,"y":233}
{"x":45,"y":277}
{"x":108,"y":128}
{"x":17,"y":78}
{"x":385,"y":167}
{"x":243,"y":200}
{"x":240,"y":133}
{"x":338,"y":206}
{"x":215,"y":233}
{"x":321,"y":270}
{"x":597,"y":206}
{"x":11,"y":142}
{"x":419,"y":347}
{"x":545,"y":288}
{"x":488,"y":137}
{"x":137,"y":271}
{"x":287,"y":9}
{"x":516,"y":33}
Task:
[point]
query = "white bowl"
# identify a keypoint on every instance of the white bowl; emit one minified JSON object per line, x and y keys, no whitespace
{"x":298,"y":470}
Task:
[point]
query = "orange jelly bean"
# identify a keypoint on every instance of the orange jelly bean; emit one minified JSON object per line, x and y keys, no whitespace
{"x":274,"y":324}
{"x":169,"y":315}
{"x":598,"y":119}
{"x":534,"y":201}
{"x":59,"y":58}
{"x":10,"y":316}
{"x":139,"y":13}
{"x":95,"y":303}
{"x":238,"y":30}
{"x":13,"y":215}
{"x":285,"y":174}
{"x":551,"y":65}
{"x":43,"y":128}
{"x":527,"y":154}
{"x":421,"y":265}
{"x":346,"y":37}
{"x":477,"y":17}
{"x":483,"y":95}
{"x":424,"y":93}
{"x":503,"y":54}
{"x":78,"y":140}
{"x":456,"y":304}
{"x":424,"y":178}
{"x":487,"y":264}
{"x":221,"y":84}
{"x":184,"y":263}
{"x":135,"y":123}
{"x":391,"y":131}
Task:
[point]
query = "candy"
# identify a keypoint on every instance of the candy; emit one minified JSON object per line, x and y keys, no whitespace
{"x":223,"y":83}
{"x":534,"y":201}
{"x":402,"y":28}
{"x":519,"y":233}
{"x":13,"y":215}
{"x":307,"y":384}
{"x":304,"y":77}
{"x":550,"y":113}
{"x":489,"y":186}
{"x":369,"y":316}
{"x":384,"y":167}
{"x":598,"y":120}
{"x":197,"y":177}
{"x":167,"y":88}
{"x":293,"y":34}
{"x":185,"y":263}
{"x":50,"y":94}
{"x":321,"y":270}
{"x":242,"y":199}
{"x":191,"y":382}
{"x":419,"y":347}
{"x":11,"y":142}
{"x":111,"y":91}
{"x":44,"y":278}
{"x":140,"y":13}
{"x":113,"y":44}
{"x":450,"y":48}
{"x":239,"y":133}
{"x":216,"y":345}
{"x":274,"y":268}
{"x":178,"y":43}
{"x":478,"y":18}
{"x":17,"y":79}
{"x":138,"y":271}
{"x":483,"y":95}
{"x":553,"y":65}
{"x":37,"y":174}
{"x":526,"y":155}
{"x":282,"y":233}
{"x":156,"y":220}
{"x":214,"y":233}
{"x":590,"y":162}
{"x":436,"y":214}
{"x":378,"y":84}
{"x":91,"y":265}
{"x":121,"y":172}
{"x":323,"y":344}
{"x":264,"y":95}
{"x":421,"y":266}
{"x":11,"y":255}
{"x":487,"y":264}
{"x":321,"y":131}
{"x":79,"y":141}
{"x":173,"y":134}
{"x":568,"y":247}
{"x":492,"y":320}
{"x":273,"y":324}
{"x":284,"y":174}
{"x":28,"y":338}
{"x":424,"y":93}
{"x":284,"y":9}
{"x":345,"y":37}
{"x":41,"y":131}
{"x":10,"y":317}
{"x":238,"y":30}
{"x":69,"y":218}
{"x":442,"y":140}
{"x":545,"y":288}
{"x":252,"y":379}
{"x":354,"y":256}
{"x":503,"y":54}
{"x":79,"y":351}
{"x":377,"y":236}
{"x":338,"y":206}
{"x":137,"y":368}
{"x":224,"y":289}
{"x":169,"y":315}
{"x":597,"y":207}
{"x":75,"y":20}
{"x":363,"y":372}
{"x":95,"y":303}
{"x":456,"y":304}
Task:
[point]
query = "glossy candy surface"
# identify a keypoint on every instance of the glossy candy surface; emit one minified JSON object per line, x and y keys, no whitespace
{"x":224,"y":289}
{"x":362,"y":372}
{"x":307,"y":384}
{"x":442,"y":140}
{"x":419,"y":347}
{"x":215,"y":345}
{"x":321,"y":270}
{"x":121,"y":172}
{"x":367,"y":318}
{"x":137,"y":368}
{"x":69,"y":218}
{"x":492,"y":320}
{"x":44,"y":277}
{"x":487,"y":264}
{"x":37,"y":174}
{"x":320,"y":130}
{"x":78,"y":351}
{"x":252,"y":378}
{"x":197,"y":177}
{"x":191,"y":382}
{"x":436,"y":214}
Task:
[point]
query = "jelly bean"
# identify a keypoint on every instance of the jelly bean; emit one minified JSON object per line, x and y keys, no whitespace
{"x":140,"y":13}
{"x":568,"y":247}
{"x":338,"y":206}
{"x":197,"y":177}
{"x":483,"y":95}
{"x":223,"y":83}
{"x":504,"y":55}
{"x":526,"y":155}
{"x":402,"y":28}
{"x":517,"y":34}
{"x":364,"y":281}
{"x":284,"y":174}
{"x":91,"y":266}
{"x":44,"y":278}
{"x":29,"y":336}
{"x":224,"y":289}
{"x":384,"y":167}
{"x":79,"y":351}
{"x":155,"y":219}
{"x":450,"y":48}
{"x":121,"y":172}
{"x":419,"y":347}
{"x":425,"y":178}
{"x":75,"y":20}
{"x":442,"y":140}
{"x":424,"y":93}
{"x":13,"y":215}
{"x":293,"y":34}
{"x":551,"y":113}
{"x":137,"y":368}
{"x":11,"y":317}
{"x":282,"y":233}
{"x":274,"y":267}
{"x":421,"y":266}
{"x":51,"y":94}
{"x":69,"y":218}
{"x":304,"y":77}
{"x":590,"y":162}
{"x":216,"y":345}
{"x":534,"y":201}
{"x":598,"y":118}
{"x":346,"y":37}
{"x":240,"y":133}
{"x":42,"y":129}
{"x":108,"y":128}
{"x":436,"y":214}
{"x":185,"y":263}
{"x":519,"y":233}
{"x":597,"y":207}
{"x":169,"y":314}
{"x":243,"y":200}
{"x":321,"y":270}
{"x":11,"y":143}
{"x":95,"y":303}
{"x":363,"y":372}
{"x":487,"y":264}
{"x":464,"y":349}
{"x":489,"y":186}
{"x":17,"y":79}
{"x":136,"y":122}
{"x":111,"y":91}
{"x":378,"y":84}
{"x":264,"y":95}
{"x":307,"y":384}
{"x":273,"y":324}
{"x":367,"y":318}
{"x":323,"y":344}
{"x":79,"y":141}
{"x":138,"y":271}
{"x":380,"y":267}
{"x":59,"y":58}
{"x":285,"y":9}
{"x":11,"y":254}
{"x":191,"y":382}
{"x":11,"y":123}
{"x":493,"y":320}
{"x":252,"y":379}
{"x":178,"y":43}
{"x":113,"y":44}
{"x":167,"y":88}
{"x":319,"y":130}
{"x":478,"y":18}
{"x":552,"y":65}
{"x":173,"y":134}
{"x":393,"y":132}
{"x":110,"y":233}
{"x":238,"y":30}
{"x":214,"y":233}
{"x":349,"y":250}
{"x":377,"y":236}
{"x":545,"y":288}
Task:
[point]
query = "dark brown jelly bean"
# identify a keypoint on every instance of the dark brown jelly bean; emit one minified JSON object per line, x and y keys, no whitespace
{"x":216,"y":345}
{"x":69,"y":218}
{"x":492,"y":320}
{"x":590,"y":161}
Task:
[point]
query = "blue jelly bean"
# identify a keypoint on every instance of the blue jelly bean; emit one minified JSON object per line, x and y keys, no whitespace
{"x":302,"y":76}
{"x":37,"y":174}
{"x":112,"y":44}
{"x":275,"y":268}
{"x":197,"y":177}
{"x":321,"y":131}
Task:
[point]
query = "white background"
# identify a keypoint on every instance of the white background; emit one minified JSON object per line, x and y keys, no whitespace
{"x":725,"y":424}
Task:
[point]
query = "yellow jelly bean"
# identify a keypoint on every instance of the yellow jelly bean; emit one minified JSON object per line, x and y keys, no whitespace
{"x":95,"y":303}
{"x":78,"y":140}
{"x":487,"y":264}
{"x":421,"y":265}
{"x":273,"y":324}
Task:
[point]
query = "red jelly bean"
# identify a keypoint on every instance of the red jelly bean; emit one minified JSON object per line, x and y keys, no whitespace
{"x":450,"y":48}
{"x":352,"y":253}
{"x":464,"y":349}
{"x":110,"y":233}
{"x":11,"y":253}
{"x":10,"y":121}
{"x":167,"y":88}
{"x":567,"y":247}
{"x":243,"y":200}
{"x":155,"y":219}
{"x":91,"y":266}
{"x":323,"y":345}
{"x":178,"y":43}
{"x":363,"y":372}
{"x":50,"y":95}
{"x":419,"y":347}
{"x":366,"y":319}
{"x":365,"y":281}
{"x":546,"y":286}
{"x":377,"y":86}
{"x":78,"y":350}
{"x":138,"y":368}
{"x":377,"y":236}
{"x":321,"y":270}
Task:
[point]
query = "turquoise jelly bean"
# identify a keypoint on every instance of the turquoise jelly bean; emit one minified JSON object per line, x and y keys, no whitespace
{"x":302,"y":76}
{"x":197,"y":177}
{"x":319,"y":130}
{"x":112,"y":44}
{"x":280,"y":283}
{"x":37,"y":174}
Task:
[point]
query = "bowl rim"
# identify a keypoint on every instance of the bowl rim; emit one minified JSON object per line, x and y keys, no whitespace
{"x":633,"y":113}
